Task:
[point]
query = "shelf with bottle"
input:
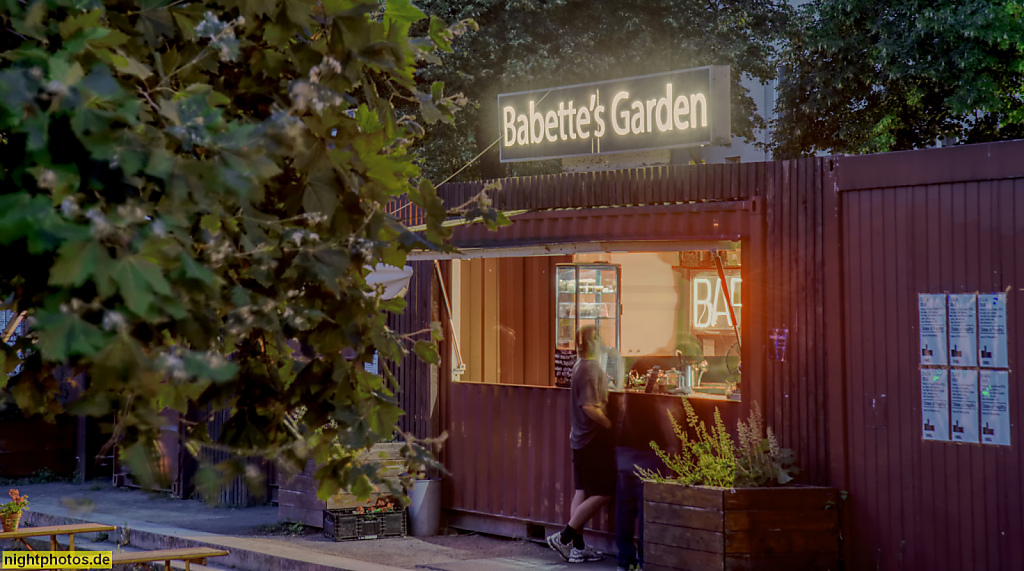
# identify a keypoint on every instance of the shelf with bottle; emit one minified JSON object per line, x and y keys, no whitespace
{"x":568,"y":310}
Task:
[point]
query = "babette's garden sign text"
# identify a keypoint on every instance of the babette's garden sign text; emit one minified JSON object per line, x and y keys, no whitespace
{"x":660,"y":111}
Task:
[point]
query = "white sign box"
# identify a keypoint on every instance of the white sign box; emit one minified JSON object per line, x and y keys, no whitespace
{"x":934,"y":404}
{"x":992,"y":331}
{"x":963,"y":330}
{"x":963,"y":405}
{"x":931,"y":309}
{"x":995,"y":407}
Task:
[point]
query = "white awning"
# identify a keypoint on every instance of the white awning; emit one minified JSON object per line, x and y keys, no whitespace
{"x":575,"y":248}
{"x":394,"y":279}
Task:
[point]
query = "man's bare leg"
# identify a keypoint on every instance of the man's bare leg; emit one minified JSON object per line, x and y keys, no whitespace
{"x":577,"y":499}
{"x":586,"y":510}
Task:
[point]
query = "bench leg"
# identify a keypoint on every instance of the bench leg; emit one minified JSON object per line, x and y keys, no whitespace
{"x":167,"y":565}
{"x":71,"y":542}
{"x":188,"y":565}
{"x":53,"y":543}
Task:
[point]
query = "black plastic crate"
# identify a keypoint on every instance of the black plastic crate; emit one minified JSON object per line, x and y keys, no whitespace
{"x":345,"y":524}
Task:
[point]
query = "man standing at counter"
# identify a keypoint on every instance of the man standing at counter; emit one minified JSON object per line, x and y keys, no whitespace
{"x":592,"y":442}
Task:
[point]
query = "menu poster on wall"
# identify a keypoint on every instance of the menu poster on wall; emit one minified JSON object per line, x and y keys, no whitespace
{"x":564,"y":361}
{"x":963,"y":405}
{"x":995,"y":407}
{"x":934,"y":404}
{"x":931,"y":308}
{"x":992,"y":330}
{"x":963,"y":330}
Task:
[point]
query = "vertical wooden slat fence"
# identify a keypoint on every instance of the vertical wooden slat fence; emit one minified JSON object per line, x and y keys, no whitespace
{"x":236,"y":492}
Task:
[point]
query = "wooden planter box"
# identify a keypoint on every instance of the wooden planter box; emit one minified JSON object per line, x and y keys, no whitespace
{"x":698,"y":528}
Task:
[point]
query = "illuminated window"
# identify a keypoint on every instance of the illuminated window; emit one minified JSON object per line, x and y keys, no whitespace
{"x":514,"y":317}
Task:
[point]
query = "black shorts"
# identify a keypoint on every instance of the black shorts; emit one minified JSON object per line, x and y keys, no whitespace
{"x":593,"y":468}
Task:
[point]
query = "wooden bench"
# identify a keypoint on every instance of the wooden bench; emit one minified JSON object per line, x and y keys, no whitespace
{"x":53,"y":531}
{"x":187,"y":554}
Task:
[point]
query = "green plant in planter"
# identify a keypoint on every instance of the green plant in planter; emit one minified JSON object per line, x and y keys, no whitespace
{"x":713,"y":459}
{"x":18,"y":503}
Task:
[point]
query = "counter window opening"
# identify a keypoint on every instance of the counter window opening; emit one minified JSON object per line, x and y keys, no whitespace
{"x":515,"y":318}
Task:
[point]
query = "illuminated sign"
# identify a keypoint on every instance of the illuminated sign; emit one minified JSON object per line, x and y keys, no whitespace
{"x":665,"y":110}
{"x":709,"y":311}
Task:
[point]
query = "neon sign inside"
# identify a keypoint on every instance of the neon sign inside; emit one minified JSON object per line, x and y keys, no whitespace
{"x":709,"y":311}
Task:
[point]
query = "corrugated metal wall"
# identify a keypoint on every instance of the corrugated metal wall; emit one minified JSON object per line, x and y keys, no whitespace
{"x":509,"y":457}
{"x":795,"y":299}
{"x":417,"y":383}
{"x":844,"y":247}
{"x":652,"y":185}
{"x":918,"y":504}
{"x":776,"y":210}
{"x":508,"y":452}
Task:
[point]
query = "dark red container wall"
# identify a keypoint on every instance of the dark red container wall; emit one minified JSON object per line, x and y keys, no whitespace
{"x":795,"y":300}
{"x":836,"y":251}
{"x":416,"y":381}
{"x":915,"y":504}
{"x":509,"y":457}
{"x":508,"y":452}
{"x":507,"y":442}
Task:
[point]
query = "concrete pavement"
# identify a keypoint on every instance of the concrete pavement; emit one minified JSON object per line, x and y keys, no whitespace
{"x":156,"y":521}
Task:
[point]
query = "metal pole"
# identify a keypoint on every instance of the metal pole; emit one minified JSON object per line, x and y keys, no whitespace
{"x":728,"y":298}
{"x":451,"y":323}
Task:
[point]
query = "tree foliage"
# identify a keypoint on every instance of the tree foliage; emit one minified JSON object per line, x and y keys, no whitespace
{"x":878,"y":75}
{"x":535,"y":44}
{"x":191,"y":196}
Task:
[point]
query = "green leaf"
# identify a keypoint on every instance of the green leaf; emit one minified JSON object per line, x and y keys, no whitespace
{"x":297,"y":10}
{"x":131,"y":66}
{"x":362,"y":488}
{"x":439,"y":33}
{"x":155,"y":25}
{"x":402,"y":11}
{"x":107,"y":38}
{"x":393,"y":305}
{"x":320,"y":196}
{"x":210,"y":223}
{"x":137,"y":280}
{"x":427,"y":352}
{"x":276,"y":35}
{"x":62,"y":335}
{"x":86,"y":21}
{"x":33,"y":218}
{"x":196,"y":271}
{"x":251,"y":8}
{"x":210,"y":366}
{"x":329,"y":486}
{"x":160,"y":163}
{"x":187,"y":25}
{"x":77,"y":262}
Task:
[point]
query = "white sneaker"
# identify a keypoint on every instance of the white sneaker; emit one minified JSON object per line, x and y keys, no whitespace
{"x":564,"y":549}
{"x":584,"y":555}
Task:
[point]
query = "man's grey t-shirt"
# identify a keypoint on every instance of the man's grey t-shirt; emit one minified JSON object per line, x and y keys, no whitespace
{"x":588,"y":387}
